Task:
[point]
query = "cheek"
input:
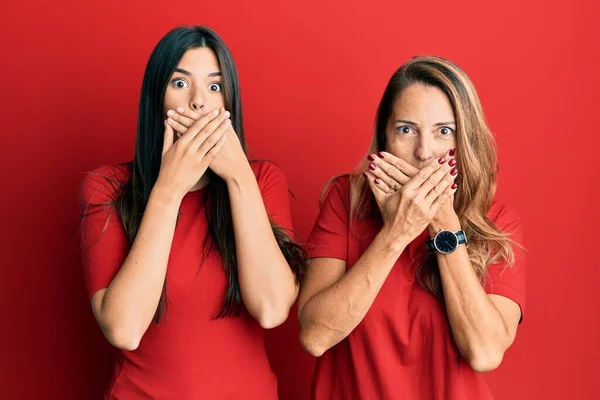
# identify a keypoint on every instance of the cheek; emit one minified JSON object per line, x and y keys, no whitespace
{"x":171,"y":101}
{"x":215,"y":100}
{"x":400,"y":146}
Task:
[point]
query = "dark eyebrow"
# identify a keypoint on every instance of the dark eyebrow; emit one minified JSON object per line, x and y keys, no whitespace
{"x":184,"y":72}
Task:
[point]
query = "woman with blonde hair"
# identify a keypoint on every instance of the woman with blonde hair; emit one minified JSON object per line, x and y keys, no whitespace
{"x":416,"y":279}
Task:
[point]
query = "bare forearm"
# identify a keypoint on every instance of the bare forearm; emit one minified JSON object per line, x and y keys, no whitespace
{"x":477,"y":326}
{"x":131,"y":300}
{"x":267,"y":282}
{"x":332,"y":314}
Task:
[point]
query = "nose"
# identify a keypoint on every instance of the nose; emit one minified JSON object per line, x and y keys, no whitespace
{"x":424,"y":151}
{"x":197,"y":101}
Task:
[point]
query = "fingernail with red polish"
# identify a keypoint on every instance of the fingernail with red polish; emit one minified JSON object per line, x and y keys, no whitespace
{"x":454,"y":186}
{"x":452,"y":163}
{"x":377,"y":181}
{"x":451,"y":154}
{"x":454,"y":171}
{"x":380,"y":154}
{"x":441,"y":160}
{"x":371,"y":157}
{"x":372,"y":167}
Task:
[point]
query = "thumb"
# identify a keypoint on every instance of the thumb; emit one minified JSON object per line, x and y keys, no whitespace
{"x":168,"y":139}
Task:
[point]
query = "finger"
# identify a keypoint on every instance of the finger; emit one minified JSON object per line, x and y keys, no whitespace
{"x":446,"y":196}
{"x":189,"y":113}
{"x":177,"y":127}
{"x":204,"y":145}
{"x":199,"y":125}
{"x":209,"y":129}
{"x":181,"y":119}
{"x":399,"y":164}
{"x":446,"y":182}
{"x":423,"y":175}
{"x":168,"y":138}
{"x":390,"y":183}
{"x":377,"y":192}
{"x":444,"y":172}
{"x":380,"y":184}
{"x":215,"y":150}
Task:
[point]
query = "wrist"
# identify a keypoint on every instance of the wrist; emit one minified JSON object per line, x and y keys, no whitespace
{"x":393,"y":242}
{"x":165,"y":196}
{"x":241,"y":180}
{"x":448,"y":224}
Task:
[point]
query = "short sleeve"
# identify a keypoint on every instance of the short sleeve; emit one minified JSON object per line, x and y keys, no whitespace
{"x":509,"y":281}
{"x":273,"y":187}
{"x":329,"y":235}
{"x":104,"y":243}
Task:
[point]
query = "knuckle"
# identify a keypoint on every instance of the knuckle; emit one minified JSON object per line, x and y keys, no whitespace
{"x":422,"y":174}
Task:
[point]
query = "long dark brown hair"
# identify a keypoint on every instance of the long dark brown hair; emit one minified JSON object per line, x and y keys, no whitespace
{"x":132,"y":196}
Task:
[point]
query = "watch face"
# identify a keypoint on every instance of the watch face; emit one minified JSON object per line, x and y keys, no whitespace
{"x":446,"y":242}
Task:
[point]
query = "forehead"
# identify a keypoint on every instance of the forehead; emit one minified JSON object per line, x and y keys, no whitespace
{"x":199,"y":61}
{"x":424,"y":103}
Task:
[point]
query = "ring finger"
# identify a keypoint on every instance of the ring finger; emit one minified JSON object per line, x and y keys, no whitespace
{"x":391,"y":183}
{"x":369,"y":175}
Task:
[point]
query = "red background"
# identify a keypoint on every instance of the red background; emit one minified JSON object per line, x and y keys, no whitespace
{"x":312,"y":75}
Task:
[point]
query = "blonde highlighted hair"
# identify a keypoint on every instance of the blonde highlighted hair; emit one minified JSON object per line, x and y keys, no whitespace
{"x":476,"y":154}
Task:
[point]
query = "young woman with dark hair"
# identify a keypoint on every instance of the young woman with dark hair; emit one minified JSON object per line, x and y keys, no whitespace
{"x":187,"y":250}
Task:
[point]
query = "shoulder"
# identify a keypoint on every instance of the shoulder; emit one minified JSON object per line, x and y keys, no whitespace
{"x":339,"y":186}
{"x":103,"y":184}
{"x":504,"y":217}
{"x":267,"y":172}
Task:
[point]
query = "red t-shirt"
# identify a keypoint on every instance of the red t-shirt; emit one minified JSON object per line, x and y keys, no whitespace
{"x":403,"y":348}
{"x":190,"y":354}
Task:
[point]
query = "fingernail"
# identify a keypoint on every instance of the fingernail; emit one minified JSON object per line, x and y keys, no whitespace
{"x":454,"y":171}
{"x":452,"y":162}
{"x":228,"y":121}
{"x":377,"y":181}
{"x":214,"y":112}
{"x":371,"y":158}
{"x":227,"y":114}
{"x":170,"y":121}
{"x":454,"y":186}
{"x":451,"y":154}
{"x":171,"y":113}
{"x":180,"y":109}
{"x":372,"y":167}
{"x":381,"y":155}
{"x":442,"y":160}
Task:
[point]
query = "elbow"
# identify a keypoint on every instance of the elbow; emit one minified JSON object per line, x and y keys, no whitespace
{"x":485,"y":360}
{"x":122,"y":339}
{"x":311,"y":344}
{"x":269,"y":319}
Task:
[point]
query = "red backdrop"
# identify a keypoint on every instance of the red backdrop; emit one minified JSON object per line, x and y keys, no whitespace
{"x":312,"y":75}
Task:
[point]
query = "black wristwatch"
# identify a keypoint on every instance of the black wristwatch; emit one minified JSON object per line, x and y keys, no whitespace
{"x":446,"y":242}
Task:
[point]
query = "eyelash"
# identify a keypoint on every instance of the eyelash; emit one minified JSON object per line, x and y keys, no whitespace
{"x":178,"y":79}
{"x":398,"y":129}
{"x":219,"y":84}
